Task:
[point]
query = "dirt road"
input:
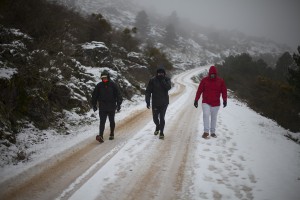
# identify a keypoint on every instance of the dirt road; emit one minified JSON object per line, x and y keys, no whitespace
{"x":157,"y":169}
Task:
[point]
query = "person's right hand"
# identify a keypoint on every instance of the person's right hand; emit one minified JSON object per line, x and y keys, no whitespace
{"x":148,"y":105}
{"x":118,"y":108}
{"x":196,"y":104}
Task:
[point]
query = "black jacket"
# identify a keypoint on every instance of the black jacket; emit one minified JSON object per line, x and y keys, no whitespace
{"x":107,"y":95}
{"x":158,"y":88}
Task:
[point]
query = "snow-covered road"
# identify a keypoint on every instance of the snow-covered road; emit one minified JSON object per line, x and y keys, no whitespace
{"x":250,"y":159}
{"x":146,"y":167}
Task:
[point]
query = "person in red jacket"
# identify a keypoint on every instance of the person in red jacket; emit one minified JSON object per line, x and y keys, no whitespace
{"x":211,"y":88}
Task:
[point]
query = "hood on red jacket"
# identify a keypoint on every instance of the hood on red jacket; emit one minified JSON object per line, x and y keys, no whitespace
{"x":212,"y":70}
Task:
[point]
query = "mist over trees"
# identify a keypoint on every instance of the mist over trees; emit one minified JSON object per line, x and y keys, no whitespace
{"x":285,"y":62}
{"x":142,"y":24}
{"x":170,"y":36}
{"x":171,"y":23}
{"x":173,"y":19}
{"x":294,"y":75}
{"x":171,"y":29}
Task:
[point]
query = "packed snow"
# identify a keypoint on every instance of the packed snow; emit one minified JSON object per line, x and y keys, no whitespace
{"x":93,"y":45}
{"x":7,"y":73}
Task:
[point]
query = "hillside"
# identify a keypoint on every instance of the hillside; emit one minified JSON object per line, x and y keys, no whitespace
{"x":194,"y":45}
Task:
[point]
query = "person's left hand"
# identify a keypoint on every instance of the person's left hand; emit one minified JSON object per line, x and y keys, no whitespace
{"x":224,"y":104}
{"x":118,"y":108}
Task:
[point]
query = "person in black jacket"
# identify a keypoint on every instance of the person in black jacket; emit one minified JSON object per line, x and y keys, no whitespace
{"x":158,"y":88}
{"x":107,"y":95}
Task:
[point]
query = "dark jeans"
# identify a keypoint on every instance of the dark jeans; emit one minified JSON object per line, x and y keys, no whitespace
{"x":159,"y":113}
{"x":103,"y":116}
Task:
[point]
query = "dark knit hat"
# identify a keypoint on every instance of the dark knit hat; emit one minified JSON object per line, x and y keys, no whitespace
{"x":105,"y":74}
{"x":161,"y":70}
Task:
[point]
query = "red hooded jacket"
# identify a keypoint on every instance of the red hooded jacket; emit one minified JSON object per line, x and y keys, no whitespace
{"x":211,"y":89}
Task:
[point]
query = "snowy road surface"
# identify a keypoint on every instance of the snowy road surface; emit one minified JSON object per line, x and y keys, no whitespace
{"x":250,"y":159}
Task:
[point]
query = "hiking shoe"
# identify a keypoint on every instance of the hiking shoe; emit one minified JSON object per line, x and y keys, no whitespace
{"x":111,"y":137}
{"x":156,"y":132}
{"x":99,"y":138}
{"x":213,"y":135}
{"x":205,"y":135}
{"x":161,"y":136}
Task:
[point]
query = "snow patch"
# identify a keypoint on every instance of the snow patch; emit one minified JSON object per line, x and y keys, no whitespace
{"x":93,"y":45}
{"x":7,"y":73}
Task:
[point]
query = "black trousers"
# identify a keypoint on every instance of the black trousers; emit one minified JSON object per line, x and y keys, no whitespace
{"x":159,"y":113}
{"x":103,"y":116}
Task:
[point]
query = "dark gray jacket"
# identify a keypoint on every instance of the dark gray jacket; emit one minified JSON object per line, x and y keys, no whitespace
{"x":107,"y":95}
{"x":158,"y":88}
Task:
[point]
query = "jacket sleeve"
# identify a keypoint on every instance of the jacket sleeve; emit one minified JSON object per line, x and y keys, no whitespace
{"x":95,"y":95}
{"x":149,"y":91}
{"x":200,"y":90}
{"x":224,"y":91}
{"x":117,"y":93}
{"x":166,"y":83}
{"x":119,"y":96}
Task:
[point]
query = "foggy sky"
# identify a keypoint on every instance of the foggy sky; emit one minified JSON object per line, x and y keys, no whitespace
{"x":278,"y":20}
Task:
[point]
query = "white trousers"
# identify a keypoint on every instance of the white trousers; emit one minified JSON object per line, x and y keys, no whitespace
{"x":210,"y":117}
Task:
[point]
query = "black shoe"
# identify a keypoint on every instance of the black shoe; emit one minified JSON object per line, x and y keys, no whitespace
{"x":156,"y":132}
{"x":111,"y":137}
{"x":99,"y":138}
{"x":161,"y":136}
{"x":213,"y":135}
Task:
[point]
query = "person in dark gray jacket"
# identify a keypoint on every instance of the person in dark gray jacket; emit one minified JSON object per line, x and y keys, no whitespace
{"x":107,"y":96}
{"x":158,"y":88}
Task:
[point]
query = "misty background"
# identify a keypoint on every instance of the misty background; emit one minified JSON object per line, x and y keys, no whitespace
{"x":277,"y":20}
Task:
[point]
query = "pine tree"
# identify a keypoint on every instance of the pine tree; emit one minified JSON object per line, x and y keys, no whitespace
{"x":157,"y":58}
{"x":294,"y":74}
{"x":282,"y":66}
{"x":128,"y":41}
{"x":98,"y":27}
{"x":142,"y":23}
{"x":173,"y":19}
{"x":170,"y":37}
